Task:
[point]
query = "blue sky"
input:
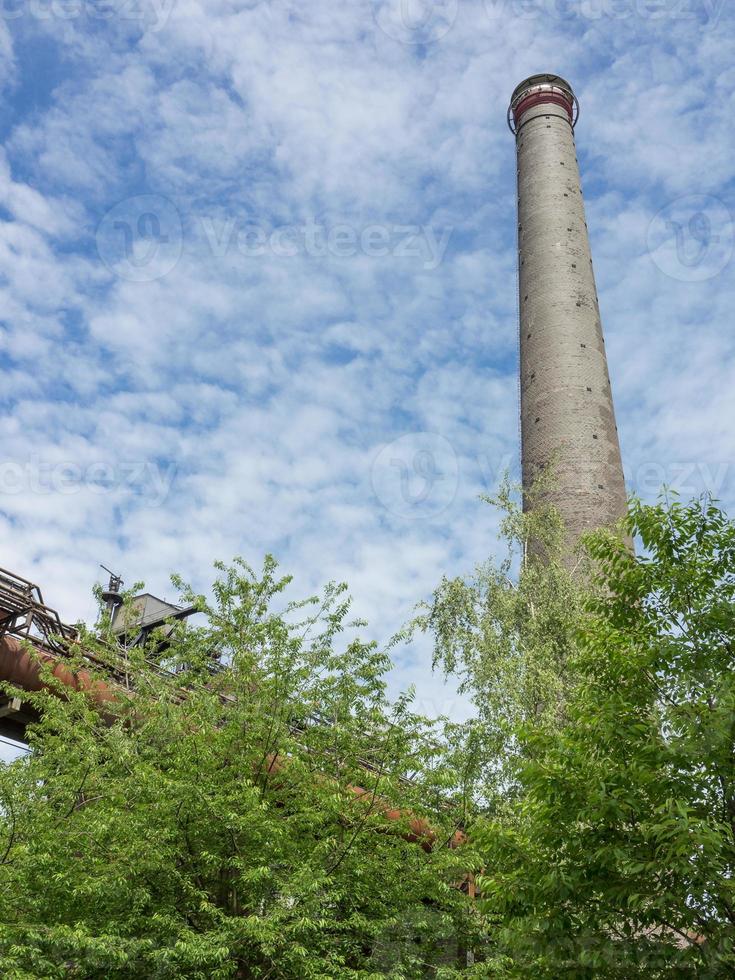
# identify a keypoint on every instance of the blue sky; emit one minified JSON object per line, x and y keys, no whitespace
{"x":257,"y":265}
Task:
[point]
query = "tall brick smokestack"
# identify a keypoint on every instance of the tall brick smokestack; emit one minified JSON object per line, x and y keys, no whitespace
{"x":567,"y":415}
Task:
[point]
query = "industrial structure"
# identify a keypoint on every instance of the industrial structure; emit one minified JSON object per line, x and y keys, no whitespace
{"x":34,"y":638}
{"x":568,"y":430}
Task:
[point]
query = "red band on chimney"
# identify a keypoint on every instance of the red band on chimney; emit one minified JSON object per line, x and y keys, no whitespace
{"x":536,"y":98}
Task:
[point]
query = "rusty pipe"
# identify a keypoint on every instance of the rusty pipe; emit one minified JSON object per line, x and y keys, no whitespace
{"x":22,"y":667}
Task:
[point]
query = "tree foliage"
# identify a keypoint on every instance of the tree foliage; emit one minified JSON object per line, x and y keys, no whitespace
{"x":619,"y":858}
{"x":507,"y":633}
{"x":206,"y":821}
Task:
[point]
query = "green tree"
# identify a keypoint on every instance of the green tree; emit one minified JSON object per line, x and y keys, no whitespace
{"x":618,"y":858}
{"x":239,"y":807}
{"x":508,"y":633}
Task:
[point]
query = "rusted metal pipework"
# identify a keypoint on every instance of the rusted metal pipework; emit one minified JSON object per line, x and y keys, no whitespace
{"x":420,"y":831}
{"x":23,"y":667}
{"x":34,"y":637}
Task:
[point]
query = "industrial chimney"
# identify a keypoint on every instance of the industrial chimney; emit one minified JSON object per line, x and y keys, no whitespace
{"x":567,"y":416}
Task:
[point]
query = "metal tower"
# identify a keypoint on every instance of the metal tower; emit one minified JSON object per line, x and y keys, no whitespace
{"x":567,"y":415}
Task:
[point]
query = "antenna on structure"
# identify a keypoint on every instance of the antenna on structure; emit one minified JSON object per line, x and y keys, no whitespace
{"x":133,"y":623}
{"x":112,"y":596}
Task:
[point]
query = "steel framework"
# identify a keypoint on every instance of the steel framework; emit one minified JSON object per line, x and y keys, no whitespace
{"x":25,"y":615}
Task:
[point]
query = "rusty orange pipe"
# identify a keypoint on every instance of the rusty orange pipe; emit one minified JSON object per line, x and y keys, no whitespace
{"x":21,"y":667}
{"x":419,"y":830}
